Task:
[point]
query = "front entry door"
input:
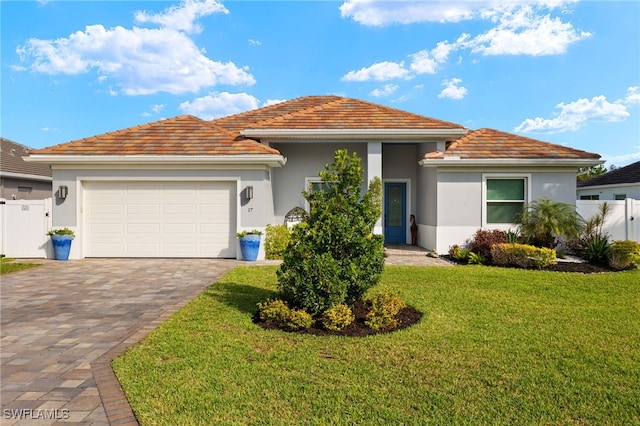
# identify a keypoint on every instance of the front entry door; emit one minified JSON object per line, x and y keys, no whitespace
{"x":395,"y":212}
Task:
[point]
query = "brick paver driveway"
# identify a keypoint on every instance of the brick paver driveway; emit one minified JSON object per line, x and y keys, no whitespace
{"x":64,"y":321}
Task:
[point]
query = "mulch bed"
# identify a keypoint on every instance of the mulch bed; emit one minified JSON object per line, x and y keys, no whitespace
{"x":406,"y":318}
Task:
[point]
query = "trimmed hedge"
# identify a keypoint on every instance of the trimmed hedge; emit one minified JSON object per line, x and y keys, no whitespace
{"x":522,"y":255}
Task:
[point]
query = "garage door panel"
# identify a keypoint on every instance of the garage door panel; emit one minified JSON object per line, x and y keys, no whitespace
{"x":160,"y":219}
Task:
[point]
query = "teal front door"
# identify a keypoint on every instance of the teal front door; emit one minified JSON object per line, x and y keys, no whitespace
{"x":395,"y":212}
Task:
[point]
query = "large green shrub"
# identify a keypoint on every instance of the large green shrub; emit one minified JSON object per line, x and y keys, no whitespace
{"x":543,"y":222}
{"x":523,"y":255}
{"x":334,"y":257}
{"x":276,"y":240}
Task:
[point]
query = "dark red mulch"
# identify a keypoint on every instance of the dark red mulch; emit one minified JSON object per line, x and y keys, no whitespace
{"x":406,"y":318}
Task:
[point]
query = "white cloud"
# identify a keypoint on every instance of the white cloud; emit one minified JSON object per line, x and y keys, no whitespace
{"x":270,"y":102}
{"x":157,"y":107}
{"x":140,"y":61}
{"x":622,"y":160}
{"x":380,"y":13}
{"x":633,"y":96}
{"x":382,"y":71}
{"x":574,"y":115}
{"x":254,"y":42}
{"x":387,"y":90}
{"x":182,"y":17}
{"x":216,"y":105}
{"x":522,"y":31}
{"x":452,"y":89}
{"x":519,"y":29}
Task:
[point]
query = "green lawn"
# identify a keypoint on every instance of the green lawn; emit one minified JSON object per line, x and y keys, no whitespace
{"x":495,"y":346}
{"x":8,"y":265}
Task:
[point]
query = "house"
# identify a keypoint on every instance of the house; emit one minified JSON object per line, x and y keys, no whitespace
{"x":618,"y":184}
{"x":21,"y":180}
{"x":183,"y":187}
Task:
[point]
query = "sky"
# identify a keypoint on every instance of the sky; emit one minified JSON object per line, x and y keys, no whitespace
{"x":566,"y":72}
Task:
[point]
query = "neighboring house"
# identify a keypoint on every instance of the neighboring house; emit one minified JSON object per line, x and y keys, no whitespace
{"x":20,"y":180}
{"x":183,"y":187}
{"x":618,"y":184}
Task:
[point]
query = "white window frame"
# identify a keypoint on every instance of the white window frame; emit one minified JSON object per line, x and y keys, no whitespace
{"x":489,"y":176}
{"x":307,"y":183}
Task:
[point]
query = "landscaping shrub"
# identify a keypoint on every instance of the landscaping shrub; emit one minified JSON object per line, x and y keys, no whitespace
{"x":337,"y":317}
{"x":483,"y":240}
{"x":276,"y":240}
{"x":476,"y":259}
{"x":333,"y":257}
{"x":459,"y":254}
{"x":275,"y":311}
{"x":299,"y":320}
{"x":523,"y":255}
{"x":594,"y":245}
{"x":383,"y":309}
{"x":543,"y":222}
{"x":624,"y":254}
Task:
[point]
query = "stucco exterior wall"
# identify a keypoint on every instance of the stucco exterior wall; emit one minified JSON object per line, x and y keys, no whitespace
{"x":10,"y":187}
{"x":304,"y":160}
{"x":460,"y":201}
{"x":609,"y":192}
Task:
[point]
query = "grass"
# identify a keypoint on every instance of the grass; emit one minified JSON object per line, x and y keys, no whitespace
{"x":495,"y":346}
{"x":8,"y":265}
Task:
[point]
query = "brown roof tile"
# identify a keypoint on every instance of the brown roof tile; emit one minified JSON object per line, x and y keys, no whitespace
{"x":331,"y":112}
{"x":11,"y":160}
{"x":494,"y":144}
{"x":183,"y":135}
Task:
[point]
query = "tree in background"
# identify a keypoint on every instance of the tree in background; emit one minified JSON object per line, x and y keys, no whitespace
{"x":586,"y":173}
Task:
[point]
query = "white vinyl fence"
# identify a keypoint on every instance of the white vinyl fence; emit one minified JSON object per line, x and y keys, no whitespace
{"x":23,"y":228}
{"x":623,"y":220}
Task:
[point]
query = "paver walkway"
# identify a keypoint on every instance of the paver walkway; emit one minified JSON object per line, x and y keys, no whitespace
{"x":63,"y":322}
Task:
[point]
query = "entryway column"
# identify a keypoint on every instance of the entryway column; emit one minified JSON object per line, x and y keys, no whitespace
{"x":374,"y":168}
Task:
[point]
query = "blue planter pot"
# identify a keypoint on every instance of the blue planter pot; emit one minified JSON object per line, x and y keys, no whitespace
{"x":249,"y":246}
{"x":61,"y":246}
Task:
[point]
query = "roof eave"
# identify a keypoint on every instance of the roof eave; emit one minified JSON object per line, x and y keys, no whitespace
{"x":26,"y":176}
{"x":351,"y":134}
{"x":457,"y":161}
{"x":271,"y":160}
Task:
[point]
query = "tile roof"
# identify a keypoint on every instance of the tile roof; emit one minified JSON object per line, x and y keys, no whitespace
{"x":182,"y":135}
{"x":626,"y":174}
{"x":494,"y":144}
{"x":11,"y":160}
{"x":331,"y":112}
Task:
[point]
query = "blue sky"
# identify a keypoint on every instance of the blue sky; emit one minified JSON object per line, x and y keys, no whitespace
{"x":566,"y":72}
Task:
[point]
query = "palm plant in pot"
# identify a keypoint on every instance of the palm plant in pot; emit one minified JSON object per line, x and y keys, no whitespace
{"x":61,"y":239}
{"x":249,"y":244}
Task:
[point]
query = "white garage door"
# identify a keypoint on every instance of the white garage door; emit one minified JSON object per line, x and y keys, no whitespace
{"x":160,"y":219}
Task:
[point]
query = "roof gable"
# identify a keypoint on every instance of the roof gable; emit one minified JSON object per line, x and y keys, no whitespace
{"x":182,"y":135}
{"x":494,"y":144}
{"x":11,"y":160}
{"x":623,"y":175}
{"x":331,"y":112}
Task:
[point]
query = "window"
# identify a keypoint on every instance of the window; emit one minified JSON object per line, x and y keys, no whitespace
{"x":620,"y":197}
{"x":315,"y":183}
{"x":505,"y":198}
{"x":590,"y":197}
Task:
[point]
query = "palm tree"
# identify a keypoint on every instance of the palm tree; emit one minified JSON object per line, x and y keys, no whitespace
{"x":544,"y":220}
